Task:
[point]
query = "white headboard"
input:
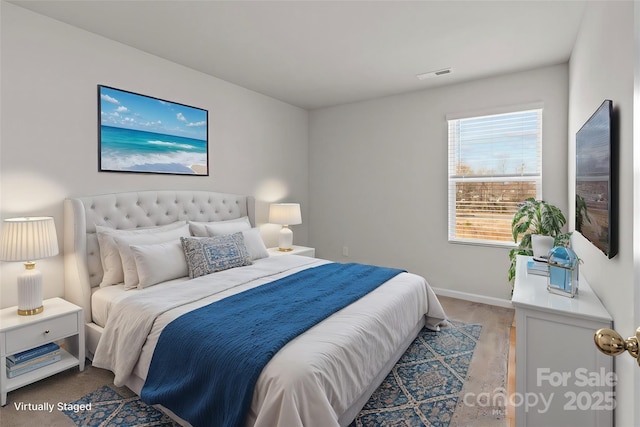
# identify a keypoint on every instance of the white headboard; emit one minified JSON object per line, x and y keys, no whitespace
{"x":82,"y":266}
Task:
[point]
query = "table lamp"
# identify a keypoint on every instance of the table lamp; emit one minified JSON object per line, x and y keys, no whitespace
{"x":285,"y":214}
{"x":28,"y":239}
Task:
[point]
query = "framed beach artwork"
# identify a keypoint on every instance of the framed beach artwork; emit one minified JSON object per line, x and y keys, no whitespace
{"x":139,"y":133}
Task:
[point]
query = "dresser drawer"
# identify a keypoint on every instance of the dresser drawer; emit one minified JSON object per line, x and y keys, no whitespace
{"x":41,"y":333}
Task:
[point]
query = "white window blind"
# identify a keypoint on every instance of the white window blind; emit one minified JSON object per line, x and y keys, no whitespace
{"x":495,"y":162}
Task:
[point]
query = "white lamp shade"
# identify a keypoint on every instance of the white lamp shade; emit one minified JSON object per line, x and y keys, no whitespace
{"x":285,"y":214}
{"x":28,"y":239}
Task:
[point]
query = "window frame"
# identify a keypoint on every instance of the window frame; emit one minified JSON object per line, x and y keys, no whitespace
{"x":452,"y":178}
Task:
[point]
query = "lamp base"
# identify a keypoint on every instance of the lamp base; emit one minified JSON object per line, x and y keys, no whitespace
{"x":31,"y":312}
{"x":30,"y":291}
{"x":285,"y":240}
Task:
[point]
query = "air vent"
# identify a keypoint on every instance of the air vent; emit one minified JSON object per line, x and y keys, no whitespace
{"x":432,"y":74}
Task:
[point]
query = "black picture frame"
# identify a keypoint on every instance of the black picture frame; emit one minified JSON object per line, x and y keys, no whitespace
{"x":144,"y":134}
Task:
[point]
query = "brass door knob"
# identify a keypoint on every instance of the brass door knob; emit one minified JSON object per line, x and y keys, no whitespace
{"x":611,"y":343}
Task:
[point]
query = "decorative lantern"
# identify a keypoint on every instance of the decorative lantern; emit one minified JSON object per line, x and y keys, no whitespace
{"x":563,"y":271}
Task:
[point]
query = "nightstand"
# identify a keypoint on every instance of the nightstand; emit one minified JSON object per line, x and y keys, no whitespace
{"x":297,"y":250}
{"x":60,"y":321}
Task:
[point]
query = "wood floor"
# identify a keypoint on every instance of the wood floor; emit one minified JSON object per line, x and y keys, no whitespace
{"x":488,"y":372}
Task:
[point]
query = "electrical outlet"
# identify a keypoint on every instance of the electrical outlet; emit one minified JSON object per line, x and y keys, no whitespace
{"x":345,"y":251}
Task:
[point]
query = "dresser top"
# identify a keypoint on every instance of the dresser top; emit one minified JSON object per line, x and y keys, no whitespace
{"x":530,"y":291}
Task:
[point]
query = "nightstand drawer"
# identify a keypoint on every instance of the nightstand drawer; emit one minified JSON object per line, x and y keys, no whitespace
{"x":41,"y":333}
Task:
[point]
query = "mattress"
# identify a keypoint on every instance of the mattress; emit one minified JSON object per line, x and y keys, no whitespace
{"x":313,"y":379}
{"x":103,"y":299}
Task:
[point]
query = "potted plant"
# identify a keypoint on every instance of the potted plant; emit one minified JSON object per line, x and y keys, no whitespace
{"x":536,"y":218}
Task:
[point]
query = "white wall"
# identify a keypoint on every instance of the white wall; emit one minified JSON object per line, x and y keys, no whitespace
{"x":601,"y":67}
{"x":378,"y":177}
{"x":50,"y":73}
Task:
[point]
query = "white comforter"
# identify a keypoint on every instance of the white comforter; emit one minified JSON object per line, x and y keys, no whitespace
{"x":313,"y":379}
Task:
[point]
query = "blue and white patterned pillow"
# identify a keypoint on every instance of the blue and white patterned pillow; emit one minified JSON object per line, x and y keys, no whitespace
{"x":210,"y":254}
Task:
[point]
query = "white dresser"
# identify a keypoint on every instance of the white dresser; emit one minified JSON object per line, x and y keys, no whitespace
{"x":562,"y":379}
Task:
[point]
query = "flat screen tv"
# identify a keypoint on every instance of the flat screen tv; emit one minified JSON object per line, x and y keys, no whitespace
{"x":597,"y":180}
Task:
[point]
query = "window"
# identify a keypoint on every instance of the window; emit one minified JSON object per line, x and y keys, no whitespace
{"x":495,"y":162}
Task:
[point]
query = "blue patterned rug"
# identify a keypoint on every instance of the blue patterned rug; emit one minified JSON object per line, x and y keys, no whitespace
{"x":421,"y":391}
{"x":111,"y":408}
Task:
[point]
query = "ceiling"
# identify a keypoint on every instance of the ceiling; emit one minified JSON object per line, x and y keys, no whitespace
{"x":314,"y":54}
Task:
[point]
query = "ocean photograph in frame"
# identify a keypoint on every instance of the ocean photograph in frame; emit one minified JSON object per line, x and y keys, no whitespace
{"x":144,"y":134}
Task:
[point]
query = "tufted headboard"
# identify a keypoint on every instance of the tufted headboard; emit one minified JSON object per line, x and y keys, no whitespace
{"x":82,"y":266}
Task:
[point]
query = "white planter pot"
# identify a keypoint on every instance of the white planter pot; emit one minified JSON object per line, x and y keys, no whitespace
{"x":541,"y":245}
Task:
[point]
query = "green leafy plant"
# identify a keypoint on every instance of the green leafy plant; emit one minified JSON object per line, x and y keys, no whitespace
{"x":535,"y":217}
{"x":562,"y":239}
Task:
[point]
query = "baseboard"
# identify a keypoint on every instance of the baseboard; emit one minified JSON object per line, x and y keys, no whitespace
{"x":473,"y":297}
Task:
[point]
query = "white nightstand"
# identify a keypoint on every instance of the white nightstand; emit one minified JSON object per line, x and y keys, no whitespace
{"x":297,"y":250}
{"x":59,"y":321}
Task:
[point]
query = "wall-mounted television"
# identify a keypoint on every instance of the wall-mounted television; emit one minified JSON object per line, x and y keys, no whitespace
{"x":597,"y":180}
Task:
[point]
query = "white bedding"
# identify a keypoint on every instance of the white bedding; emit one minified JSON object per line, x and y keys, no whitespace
{"x":103,"y":299}
{"x":315,"y":377}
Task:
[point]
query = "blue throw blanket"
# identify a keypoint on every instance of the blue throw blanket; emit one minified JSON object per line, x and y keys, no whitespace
{"x":207,"y":362}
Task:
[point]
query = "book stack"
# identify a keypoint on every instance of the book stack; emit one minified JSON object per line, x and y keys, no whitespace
{"x":32,"y":359}
{"x":539,"y":268}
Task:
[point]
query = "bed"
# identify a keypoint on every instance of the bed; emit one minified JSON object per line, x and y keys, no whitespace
{"x":323,"y":377}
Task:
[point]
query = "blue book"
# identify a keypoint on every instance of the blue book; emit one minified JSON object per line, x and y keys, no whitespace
{"x":13,"y":365}
{"x":539,"y":268}
{"x":11,"y":373}
{"x":32,"y":353}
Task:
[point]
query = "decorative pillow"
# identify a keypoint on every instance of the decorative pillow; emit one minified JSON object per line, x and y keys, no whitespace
{"x":159,"y":263}
{"x":252,"y":240}
{"x":198,"y":229}
{"x":128,"y":261}
{"x":109,"y":254}
{"x":207,"y":255}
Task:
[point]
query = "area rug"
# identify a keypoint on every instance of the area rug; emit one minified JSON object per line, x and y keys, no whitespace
{"x":111,"y":408}
{"x":422,"y":390}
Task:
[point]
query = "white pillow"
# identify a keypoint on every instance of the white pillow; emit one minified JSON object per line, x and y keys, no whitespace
{"x":128,"y":261}
{"x":252,"y":240}
{"x":230,"y":226}
{"x":159,"y":262}
{"x":109,"y":254}
{"x":254,"y":243}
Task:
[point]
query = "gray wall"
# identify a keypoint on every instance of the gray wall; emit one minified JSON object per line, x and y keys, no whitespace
{"x":378,"y":178}
{"x":50,"y":72}
{"x":601,"y":67}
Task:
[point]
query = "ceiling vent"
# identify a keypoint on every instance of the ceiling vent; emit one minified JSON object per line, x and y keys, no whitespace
{"x":432,"y":74}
